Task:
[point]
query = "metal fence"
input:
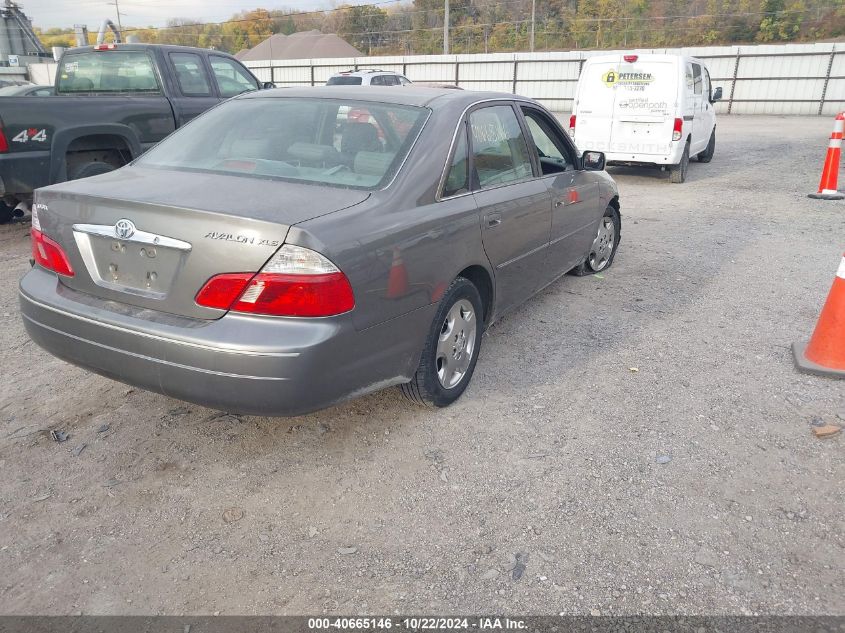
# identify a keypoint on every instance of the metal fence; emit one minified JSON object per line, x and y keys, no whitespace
{"x":763,"y":79}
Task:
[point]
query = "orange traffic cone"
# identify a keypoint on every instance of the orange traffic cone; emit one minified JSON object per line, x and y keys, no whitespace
{"x":825,"y":353}
{"x":397,"y":280}
{"x":830,"y":172}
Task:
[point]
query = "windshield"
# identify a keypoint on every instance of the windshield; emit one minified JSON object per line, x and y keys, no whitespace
{"x":107,"y":71}
{"x":344,"y":80}
{"x":326,"y":141}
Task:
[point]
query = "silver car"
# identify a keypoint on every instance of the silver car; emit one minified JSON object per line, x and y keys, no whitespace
{"x":293,"y":248}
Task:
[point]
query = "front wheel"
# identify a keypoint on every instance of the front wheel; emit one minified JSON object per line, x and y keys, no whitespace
{"x":603,"y":249}
{"x":678,"y":173}
{"x":451,"y":348}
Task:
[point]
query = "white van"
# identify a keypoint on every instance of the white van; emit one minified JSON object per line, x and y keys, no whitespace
{"x":646,"y":109}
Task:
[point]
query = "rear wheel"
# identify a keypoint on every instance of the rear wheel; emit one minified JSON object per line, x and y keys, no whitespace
{"x":678,"y":173}
{"x":707,"y":155}
{"x":451,"y":348}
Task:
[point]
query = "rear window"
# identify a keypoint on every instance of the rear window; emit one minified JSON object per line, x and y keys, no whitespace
{"x":323,"y":141}
{"x":107,"y":71}
{"x":344,"y":80}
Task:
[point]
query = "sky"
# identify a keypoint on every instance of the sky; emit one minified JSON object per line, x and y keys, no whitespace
{"x":65,"y":13}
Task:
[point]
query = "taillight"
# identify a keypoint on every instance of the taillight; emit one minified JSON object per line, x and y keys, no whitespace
{"x":630,"y":58}
{"x":105,"y":47}
{"x":295,"y":282}
{"x":572,"y":125}
{"x":49,"y":254}
{"x":4,"y":144}
{"x":678,"y":130}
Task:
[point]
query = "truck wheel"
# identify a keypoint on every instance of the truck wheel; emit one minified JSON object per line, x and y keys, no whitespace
{"x":707,"y":155}
{"x":678,"y":173}
{"x":86,"y":170}
{"x":6,"y":213}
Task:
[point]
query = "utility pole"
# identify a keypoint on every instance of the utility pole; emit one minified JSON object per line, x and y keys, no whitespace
{"x":533,"y":11}
{"x":117,"y":10}
{"x":446,"y":29}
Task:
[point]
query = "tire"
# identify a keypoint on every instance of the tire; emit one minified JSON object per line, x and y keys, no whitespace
{"x":6,"y":213}
{"x":600,"y":256}
{"x":707,"y":155}
{"x":437,"y":383}
{"x":678,"y":173}
{"x":94,"y":168}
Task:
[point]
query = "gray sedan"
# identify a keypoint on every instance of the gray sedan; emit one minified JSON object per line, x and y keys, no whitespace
{"x":290,"y":249}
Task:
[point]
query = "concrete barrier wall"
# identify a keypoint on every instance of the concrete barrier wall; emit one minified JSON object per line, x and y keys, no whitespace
{"x":764,"y":79}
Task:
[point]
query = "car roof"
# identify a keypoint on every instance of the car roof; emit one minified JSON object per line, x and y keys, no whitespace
{"x":366,"y":71}
{"x":140,"y":46}
{"x":643,"y":57}
{"x":405,"y":95}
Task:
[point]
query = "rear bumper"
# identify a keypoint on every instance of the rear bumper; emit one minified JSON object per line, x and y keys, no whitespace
{"x":637,"y":153}
{"x":667,"y":154}
{"x":238,"y":363}
{"x":23,"y":172}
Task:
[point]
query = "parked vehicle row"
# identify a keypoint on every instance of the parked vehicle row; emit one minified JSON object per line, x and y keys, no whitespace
{"x":293,"y":248}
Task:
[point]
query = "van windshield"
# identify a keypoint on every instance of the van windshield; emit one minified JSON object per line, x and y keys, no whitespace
{"x":332,"y":142}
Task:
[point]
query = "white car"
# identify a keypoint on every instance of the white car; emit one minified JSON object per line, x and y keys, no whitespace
{"x":646,"y":109}
{"x":370,"y":77}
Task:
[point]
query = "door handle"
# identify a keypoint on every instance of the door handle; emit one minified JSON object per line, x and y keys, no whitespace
{"x":558,"y":203}
{"x":493,"y":220}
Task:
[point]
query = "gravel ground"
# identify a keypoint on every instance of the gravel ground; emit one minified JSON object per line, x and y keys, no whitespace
{"x":636,"y":443}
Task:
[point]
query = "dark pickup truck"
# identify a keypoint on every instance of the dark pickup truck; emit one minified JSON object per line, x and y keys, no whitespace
{"x":112,"y":102}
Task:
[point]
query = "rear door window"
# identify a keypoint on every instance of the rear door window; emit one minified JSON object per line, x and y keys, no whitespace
{"x":110,"y":71}
{"x":499,"y":151}
{"x":190,"y":74}
{"x":690,"y":78}
{"x":457,"y":179}
{"x":696,"y":79}
{"x":232,"y":78}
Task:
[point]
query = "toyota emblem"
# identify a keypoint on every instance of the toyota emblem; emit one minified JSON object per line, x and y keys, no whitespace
{"x":124,"y":229}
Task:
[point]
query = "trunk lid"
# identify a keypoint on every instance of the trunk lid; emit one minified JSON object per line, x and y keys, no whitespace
{"x":152,"y":238}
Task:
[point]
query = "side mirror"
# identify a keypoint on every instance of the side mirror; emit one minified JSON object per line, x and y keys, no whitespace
{"x":267,"y":85}
{"x":593,"y":161}
{"x":717,"y":95}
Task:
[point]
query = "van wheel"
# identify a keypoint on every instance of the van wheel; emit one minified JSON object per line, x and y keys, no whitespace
{"x":603,"y":249}
{"x":451,"y":348}
{"x":94,"y":168}
{"x":678,"y":173}
{"x":707,"y":155}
